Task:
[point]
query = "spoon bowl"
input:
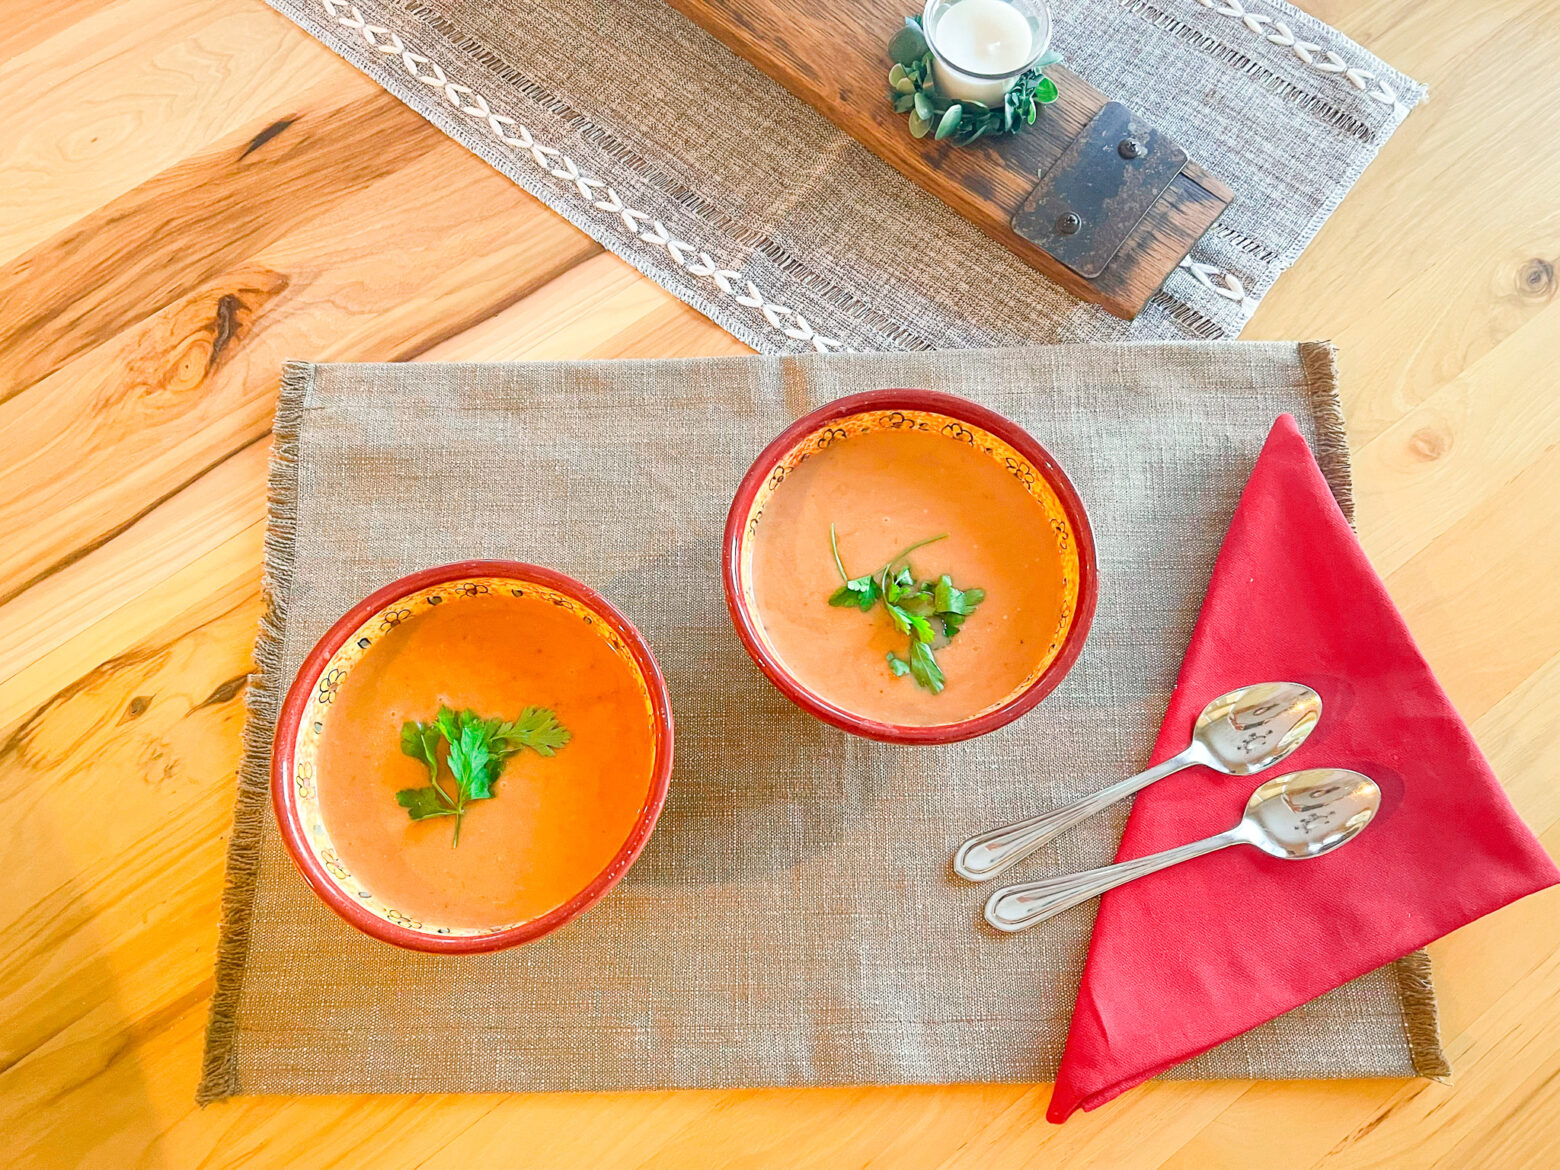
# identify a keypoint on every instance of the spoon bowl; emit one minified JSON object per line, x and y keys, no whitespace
{"x":1306,"y":814}
{"x":1252,"y":728}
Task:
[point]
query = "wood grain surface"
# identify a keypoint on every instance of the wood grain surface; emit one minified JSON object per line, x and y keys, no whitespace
{"x":835,"y":58}
{"x":192,"y":190}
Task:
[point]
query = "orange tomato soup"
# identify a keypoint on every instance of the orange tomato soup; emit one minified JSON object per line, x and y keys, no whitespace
{"x":883,"y":490}
{"x":553,"y":823}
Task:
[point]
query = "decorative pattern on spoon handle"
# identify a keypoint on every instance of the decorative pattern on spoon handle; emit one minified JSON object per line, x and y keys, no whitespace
{"x":984,"y":857}
{"x":1017,"y":907}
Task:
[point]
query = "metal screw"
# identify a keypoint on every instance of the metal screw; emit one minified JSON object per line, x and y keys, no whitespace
{"x":1068,"y":224}
{"x":1130,"y":148}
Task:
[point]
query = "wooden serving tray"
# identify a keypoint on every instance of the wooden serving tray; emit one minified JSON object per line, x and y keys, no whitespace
{"x":835,"y":58}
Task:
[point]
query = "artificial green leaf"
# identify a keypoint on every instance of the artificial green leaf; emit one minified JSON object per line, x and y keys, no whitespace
{"x":907,"y":45}
{"x":923,"y":106}
{"x":919,"y":126}
{"x":422,"y":803}
{"x":903,"y":103}
{"x":950,"y":121}
{"x":1049,"y":57}
{"x":1045,"y":91}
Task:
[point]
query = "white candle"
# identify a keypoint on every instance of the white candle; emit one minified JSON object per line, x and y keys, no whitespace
{"x":982,"y":36}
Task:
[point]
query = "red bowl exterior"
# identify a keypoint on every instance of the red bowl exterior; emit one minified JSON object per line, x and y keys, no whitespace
{"x":964,"y":411}
{"x":284,"y":800}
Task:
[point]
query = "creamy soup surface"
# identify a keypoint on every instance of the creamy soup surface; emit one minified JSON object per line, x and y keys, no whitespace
{"x":553,"y":823}
{"x":884,"y":490}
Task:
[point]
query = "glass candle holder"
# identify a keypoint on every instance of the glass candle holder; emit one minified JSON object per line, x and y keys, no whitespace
{"x":980,"y":48}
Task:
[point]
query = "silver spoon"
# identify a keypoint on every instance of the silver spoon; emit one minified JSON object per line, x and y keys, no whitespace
{"x":1298,"y":816}
{"x":1239,"y":733}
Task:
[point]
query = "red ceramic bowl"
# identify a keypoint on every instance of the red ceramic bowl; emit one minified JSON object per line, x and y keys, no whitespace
{"x":960,"y":419}
{"x":307,"y":706}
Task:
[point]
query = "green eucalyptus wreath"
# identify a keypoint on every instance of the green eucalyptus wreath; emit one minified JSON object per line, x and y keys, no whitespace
{"x":913,"y":92}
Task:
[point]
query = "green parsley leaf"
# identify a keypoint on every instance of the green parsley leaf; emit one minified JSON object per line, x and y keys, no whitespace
{"x":922,"y":628}
{"x":422,"y":803}
{"x":477,"y":748}
{"x":421,"y":742}
{"x":537,"y":728}
{"x":947,"y":599}
{"x":861,"y":592}
{"x":469,"y":760}
{"x":923,"y":665}
{"x":898,"y":586}
{"x":923,"y":611}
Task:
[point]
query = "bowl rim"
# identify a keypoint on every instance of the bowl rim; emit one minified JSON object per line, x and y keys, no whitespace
{"x":963,"y":410}
{"x":290,"y":719}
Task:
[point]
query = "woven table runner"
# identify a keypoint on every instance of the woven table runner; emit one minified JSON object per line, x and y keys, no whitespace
{"x":794,"y":919}
{"x":651,"y":136}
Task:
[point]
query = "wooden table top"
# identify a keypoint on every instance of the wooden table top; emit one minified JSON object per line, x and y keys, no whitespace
{"x":149,"y":288}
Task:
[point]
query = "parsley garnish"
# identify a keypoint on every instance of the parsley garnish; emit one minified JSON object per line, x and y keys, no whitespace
{"x":925,"y":611}
{"x":477,"y":750}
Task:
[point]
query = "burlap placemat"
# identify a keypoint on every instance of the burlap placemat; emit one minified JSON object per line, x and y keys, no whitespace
{"x":794,"y":919}
{"x":651,"y":136}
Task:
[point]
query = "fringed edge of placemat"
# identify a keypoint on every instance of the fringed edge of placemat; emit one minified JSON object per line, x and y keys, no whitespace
{"x":1319,"y":368}
{"x":219,"y":1071}
{"x":1416,"y":988}
{"x":1421,"y":1020}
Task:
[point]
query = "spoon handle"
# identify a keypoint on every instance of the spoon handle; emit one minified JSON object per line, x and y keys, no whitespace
{"x":1016,"y":907}
{"x":984,"y":857}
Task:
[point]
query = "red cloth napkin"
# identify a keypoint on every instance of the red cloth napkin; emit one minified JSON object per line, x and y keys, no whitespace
{"x":1186,"y":958}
